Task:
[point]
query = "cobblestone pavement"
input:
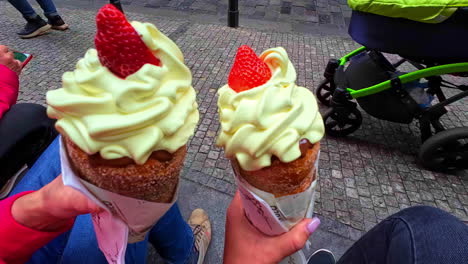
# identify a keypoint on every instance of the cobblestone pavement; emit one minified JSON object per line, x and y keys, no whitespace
{"x":289,"y":15}
{"x":363,"y":178}
{"x":312,"y":12}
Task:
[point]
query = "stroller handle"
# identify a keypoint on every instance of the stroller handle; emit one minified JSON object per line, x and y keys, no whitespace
{"x":409,"y":77}
{"x":405,"y":78}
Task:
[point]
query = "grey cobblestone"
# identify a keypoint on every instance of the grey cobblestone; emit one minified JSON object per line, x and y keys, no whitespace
{"x":362,"y":179}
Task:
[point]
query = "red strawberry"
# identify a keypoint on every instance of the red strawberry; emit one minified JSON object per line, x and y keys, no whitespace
{"x":248,"y":70}
{"x":118,"y":44}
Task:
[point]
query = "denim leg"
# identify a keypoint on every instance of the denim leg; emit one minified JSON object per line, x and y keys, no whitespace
{"x":45,"y":169}
{"x":82,"y":246}
{"x":48,"y":6}
{"x":172,"y":237}
{"x":23,"y":7}
{"x":78,"y":245}
{"x":420,"y":234}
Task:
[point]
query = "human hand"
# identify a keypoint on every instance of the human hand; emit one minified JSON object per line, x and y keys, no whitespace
{"x":7,"y":59}
{"x":245,"y":244}
{"x":51,"y":207}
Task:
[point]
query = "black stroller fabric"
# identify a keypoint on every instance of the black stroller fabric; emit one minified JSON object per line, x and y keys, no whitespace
{"x":371,"y":68}
{"x":441,"y":43}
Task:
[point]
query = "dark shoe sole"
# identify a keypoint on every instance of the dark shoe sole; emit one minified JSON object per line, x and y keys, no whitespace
{"x":322,"y":256}
{"x":38,"y":32}
{"x":11,"y":183}
{"x":61,"y":27}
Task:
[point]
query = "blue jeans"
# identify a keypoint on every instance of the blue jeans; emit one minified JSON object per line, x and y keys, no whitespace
{"x":417,"y":235}
{"x":28,"y":12}
{"x":171,"y":236}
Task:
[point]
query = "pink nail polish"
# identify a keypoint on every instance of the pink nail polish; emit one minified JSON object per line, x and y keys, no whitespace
{"x":312,"y":226}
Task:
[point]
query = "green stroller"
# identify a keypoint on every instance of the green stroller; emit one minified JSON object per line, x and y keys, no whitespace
{"x":367,"y":77}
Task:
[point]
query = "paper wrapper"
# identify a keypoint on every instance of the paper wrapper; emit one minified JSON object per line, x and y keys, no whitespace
{"x":276,"y":215}
{"x":124,"y":220}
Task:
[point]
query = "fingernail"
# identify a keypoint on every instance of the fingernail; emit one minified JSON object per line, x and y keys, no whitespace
{"x":312,"y":226}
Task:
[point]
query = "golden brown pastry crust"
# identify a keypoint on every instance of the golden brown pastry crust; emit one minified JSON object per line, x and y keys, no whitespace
{"x":281,"y":178}
{"x":154,"y":181}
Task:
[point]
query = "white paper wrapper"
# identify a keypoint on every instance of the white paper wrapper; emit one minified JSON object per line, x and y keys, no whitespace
{"x":275,"y":216}
{"x":125,"y":219}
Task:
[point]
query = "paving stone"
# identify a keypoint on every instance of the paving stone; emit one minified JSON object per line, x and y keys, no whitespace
{"x":414,"y":197}
{"x":366,"y":202}
{"x":390,"y":201}
{"x":426,"y":196}
{"x":463,"y":199}
{"x":410,"y":186}
{"x":454,"y":203}
{"x":443,"y":205}
{"x":381,"y":213}
{"x":460,"y":214}
{"x":368,"y":225}
{"x":386,"y":189}
{"x":438,"y":194}
{"x":341,"y":205}
{"x":362,"y":179}
{"x":328,"y":205}
{"x":363,"y":191}
{"x":355,"y":234}
{"x":449,"y":192}
{"x":356,"y":215}
{"x":204,"y":149}
{"x":213,"y":155}
{"x":404,"y":206}
{"x":351,"y":192}
{"x":375,"y":190}
{"x":350,"y":182}
{"x":378,"y":201}
{"x":429,"y":203}
{"x":343,"y":216}
{"x":398,"y":187}
{"x":402,"y":198}
{"x":394,"y":177}
{"x":392,"y":210}
{"x":339,"y":193}
{"x":338,"y":183}
{"x":337,"y":174}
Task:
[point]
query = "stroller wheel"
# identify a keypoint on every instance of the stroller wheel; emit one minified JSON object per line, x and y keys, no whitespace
{"x":446,"y":150}
{"x":340,"y":122}
{"x":324,"y":92}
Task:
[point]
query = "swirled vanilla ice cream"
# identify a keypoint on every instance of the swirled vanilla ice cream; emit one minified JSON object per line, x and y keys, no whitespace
{"x":270,"y":130}
{"x":128,"y":110}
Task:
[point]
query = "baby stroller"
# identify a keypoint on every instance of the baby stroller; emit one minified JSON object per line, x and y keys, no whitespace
{"x":379,"y":88}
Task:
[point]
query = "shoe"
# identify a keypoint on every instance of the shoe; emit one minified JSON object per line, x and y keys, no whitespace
{"x":322,"y":256}
{"x":57,"y":22}
{"x":34,"y":27}
{"x":6,"y":189}
{"x":201,"y":227}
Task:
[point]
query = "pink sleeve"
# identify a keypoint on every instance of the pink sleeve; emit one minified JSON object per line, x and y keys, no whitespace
{"x":9,"y":85}
{"x":17,"y":242}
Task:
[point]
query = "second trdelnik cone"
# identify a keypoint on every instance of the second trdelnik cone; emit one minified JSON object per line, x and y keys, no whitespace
{"x":270,"y":127}
{"x":127,"y":111}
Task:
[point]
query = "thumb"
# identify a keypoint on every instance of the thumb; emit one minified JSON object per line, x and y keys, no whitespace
{"x":295,"y":239}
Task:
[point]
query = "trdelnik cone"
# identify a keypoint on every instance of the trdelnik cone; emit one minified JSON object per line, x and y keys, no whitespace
{"x":125,"y":115}
{"x":270,"y":130}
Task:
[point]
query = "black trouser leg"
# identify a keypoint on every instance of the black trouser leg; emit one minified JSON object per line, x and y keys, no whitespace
{"x":25,"y":131}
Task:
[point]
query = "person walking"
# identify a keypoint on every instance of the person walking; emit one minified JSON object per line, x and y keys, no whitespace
{"x":35,"y":25}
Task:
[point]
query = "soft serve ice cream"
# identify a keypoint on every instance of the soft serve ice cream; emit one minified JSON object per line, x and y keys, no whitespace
{"x":125,"y":114}
{"x":152,"y":109}
{"x":270,"y":119}
{"x":271,"y":130}
{"x":127,"y":111}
